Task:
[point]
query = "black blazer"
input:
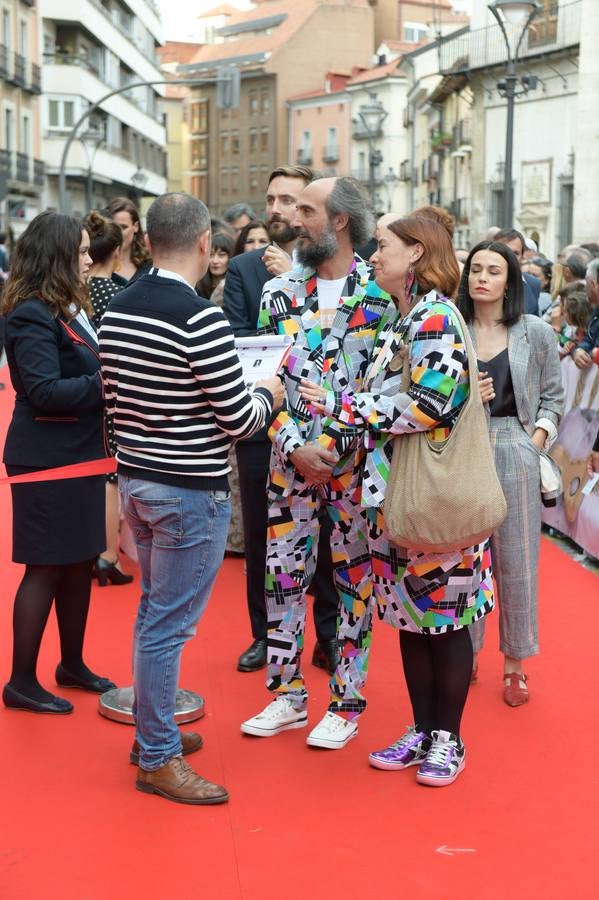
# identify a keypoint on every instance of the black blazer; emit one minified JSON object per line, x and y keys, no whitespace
{"x":532,"y":289}
{"x":55,"y":371}
{"x":246,"y":276}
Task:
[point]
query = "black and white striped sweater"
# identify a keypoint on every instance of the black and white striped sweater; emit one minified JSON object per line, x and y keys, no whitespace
{"x":174,"y":384}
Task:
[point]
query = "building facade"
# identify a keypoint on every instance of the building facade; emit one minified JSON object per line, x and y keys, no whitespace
{"x":282,"y":48}
{"x":320,"y":127}
{"x":90,"y":48}
{"x":21,"y":166}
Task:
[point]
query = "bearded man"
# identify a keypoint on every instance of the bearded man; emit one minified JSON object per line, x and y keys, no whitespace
{"x":335,"y":311}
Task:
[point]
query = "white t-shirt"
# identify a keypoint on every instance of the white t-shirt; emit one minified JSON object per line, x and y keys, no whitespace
{"x":329,"y":294}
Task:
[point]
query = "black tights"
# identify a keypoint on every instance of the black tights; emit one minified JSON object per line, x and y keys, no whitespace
{"x":437,"y":668}
{"x":69,"y":586}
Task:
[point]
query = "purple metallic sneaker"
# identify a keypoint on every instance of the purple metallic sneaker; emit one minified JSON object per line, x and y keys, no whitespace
{"x":444,"y":761}
{"x":409,"y":750}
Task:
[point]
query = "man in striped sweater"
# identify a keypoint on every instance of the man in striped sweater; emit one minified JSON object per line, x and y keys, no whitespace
{"x":175,"y":391}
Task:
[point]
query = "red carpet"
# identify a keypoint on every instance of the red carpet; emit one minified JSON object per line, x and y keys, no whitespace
{"x":519,"y":823}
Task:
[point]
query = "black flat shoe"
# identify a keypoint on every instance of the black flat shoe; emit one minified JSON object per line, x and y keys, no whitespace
{"x":12,"y":699}
{"x":254,"y":657}
{"x":96,"y":684}
{"x":326,"y":655}
{"x":106,"y":572}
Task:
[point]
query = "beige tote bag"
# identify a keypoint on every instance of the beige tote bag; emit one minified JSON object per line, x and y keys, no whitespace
{"x":445,"y":495}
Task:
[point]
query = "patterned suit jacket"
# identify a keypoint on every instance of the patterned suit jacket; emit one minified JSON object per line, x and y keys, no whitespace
{"x":338,"y":360}
{"x":536,"y":372}
{"x":438,"y":388}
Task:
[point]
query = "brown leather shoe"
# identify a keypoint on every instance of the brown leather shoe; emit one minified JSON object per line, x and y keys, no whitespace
{"x":177,"y":781}
{"x":190,"y":742}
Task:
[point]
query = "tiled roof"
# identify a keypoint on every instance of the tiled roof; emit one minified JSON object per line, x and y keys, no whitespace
{"x":376,"y":73}
{"x":259,"y":48}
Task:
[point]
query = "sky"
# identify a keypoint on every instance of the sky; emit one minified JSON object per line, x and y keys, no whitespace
{"x":178,"y":15}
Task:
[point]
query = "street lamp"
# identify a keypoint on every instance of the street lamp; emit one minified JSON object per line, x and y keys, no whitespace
{"x":518,"y":14}
{"x":372,"y":114}
{"x":139,"y":179}
{"x":94,"y":137}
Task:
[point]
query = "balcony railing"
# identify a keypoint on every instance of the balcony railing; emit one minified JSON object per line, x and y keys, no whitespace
{"x":304,"y":157}
{"x":330,"y":154}
{"x":63,"y":58}
{"x":16,"y":69}
{"x":23,"y":167}
{"x":361,"y":133}
{"x":4,"y":163}
{"x":19,"y":70}
{"x":3,"y":61}
{"x":39,"y":172}
{"x":553,"y":30}
{"x":35,"y":83}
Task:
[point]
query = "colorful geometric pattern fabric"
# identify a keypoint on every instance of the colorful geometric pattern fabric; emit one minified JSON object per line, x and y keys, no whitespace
{"x":290,"y":564}
{"x":338,"y":359}
{"x":428,"y":593}
{"x":438,"y":387}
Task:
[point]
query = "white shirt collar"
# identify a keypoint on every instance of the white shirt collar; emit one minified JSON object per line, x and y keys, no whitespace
{"x":174,"y":276}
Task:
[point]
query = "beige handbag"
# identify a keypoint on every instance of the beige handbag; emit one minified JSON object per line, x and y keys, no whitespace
{"x":445,"y":495}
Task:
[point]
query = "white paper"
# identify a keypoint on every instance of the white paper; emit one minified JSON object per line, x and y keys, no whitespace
{"x":261,"y":356}
{"x":587,"y":489}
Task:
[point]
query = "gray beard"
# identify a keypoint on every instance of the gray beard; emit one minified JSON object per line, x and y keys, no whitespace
{"x":319,"y":251}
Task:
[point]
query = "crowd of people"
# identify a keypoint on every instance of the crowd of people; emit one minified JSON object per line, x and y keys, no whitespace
{"x":121,"y":343}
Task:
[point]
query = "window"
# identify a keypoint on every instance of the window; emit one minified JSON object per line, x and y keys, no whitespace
{"x":199,"y":116}
{"x":224,"y":144}
{"x":253,"y":101}
{"x":543,"y":29}
{"x":6,"y":29}
{"x":61,"y":113}
{"x":235,"y":143}
{"x":253,"y":178}
{"x":224,"y":181}
{"x":199,"y":187}
{"x":9,"y":129}
{"x":26,"y":135}
{"x":264,"y":140}
{"x":199,"y":153}
{"x":265,"y":101}
{"x":565,"y":211}
{"x":23,"y":39}
{"x":235,"y":181}
{"x":253,"y":141}
{"x":414,"y":31}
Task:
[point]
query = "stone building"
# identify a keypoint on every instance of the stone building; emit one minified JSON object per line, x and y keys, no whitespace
{"x":21,"y":166}
{"x":282,"y":48}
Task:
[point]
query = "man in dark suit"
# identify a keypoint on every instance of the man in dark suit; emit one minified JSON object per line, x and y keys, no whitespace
{"x":246,"y":276}
{"x":532,"y":286}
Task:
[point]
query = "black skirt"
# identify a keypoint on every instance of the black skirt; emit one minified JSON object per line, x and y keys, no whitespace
{"x":57,"y":522}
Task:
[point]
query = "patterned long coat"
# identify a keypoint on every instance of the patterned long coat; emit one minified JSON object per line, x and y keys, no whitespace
{"x":338,"y":359}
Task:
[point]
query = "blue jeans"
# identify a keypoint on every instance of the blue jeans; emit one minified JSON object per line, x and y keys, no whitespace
{"x":180,"y":536}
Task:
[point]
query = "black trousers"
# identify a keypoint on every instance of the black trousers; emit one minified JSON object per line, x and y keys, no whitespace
{"x":253,"y":460}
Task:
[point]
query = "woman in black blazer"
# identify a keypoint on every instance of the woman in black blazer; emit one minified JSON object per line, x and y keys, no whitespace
{"x":58,"y":526}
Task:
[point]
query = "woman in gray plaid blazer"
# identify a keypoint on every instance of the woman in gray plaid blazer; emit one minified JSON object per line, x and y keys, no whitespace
{"x":520,"y":354}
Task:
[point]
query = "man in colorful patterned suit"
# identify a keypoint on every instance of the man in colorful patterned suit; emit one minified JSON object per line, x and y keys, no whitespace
{"x":335,"y":311}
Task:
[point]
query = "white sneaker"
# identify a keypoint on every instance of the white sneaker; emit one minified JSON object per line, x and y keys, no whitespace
{"x":278,"y":716}
{"x":333,"y":732}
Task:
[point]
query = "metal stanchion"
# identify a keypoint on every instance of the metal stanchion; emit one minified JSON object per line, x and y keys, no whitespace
{"x":117,"y":705}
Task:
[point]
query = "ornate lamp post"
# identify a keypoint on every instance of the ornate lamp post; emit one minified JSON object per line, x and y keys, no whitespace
{"x":372,"y":115}
{"x":516,"y":14}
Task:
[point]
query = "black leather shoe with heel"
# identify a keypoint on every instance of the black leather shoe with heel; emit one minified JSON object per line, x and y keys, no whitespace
{"x":106,"y":571}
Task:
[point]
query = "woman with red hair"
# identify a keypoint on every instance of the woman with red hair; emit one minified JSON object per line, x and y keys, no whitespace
{"x":430,"y":597}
